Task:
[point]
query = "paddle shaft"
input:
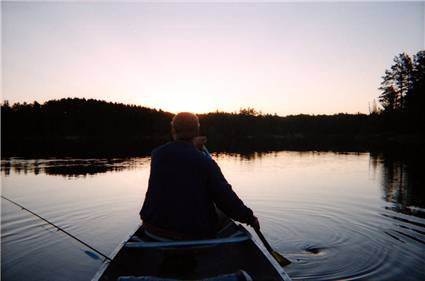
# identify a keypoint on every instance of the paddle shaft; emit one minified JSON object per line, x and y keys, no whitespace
{"x":263,"y":239}
{"x":282,"y":260}
{"x":59,"y":228}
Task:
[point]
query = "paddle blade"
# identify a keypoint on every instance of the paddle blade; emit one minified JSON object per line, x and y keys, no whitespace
{"x":280,"y":259}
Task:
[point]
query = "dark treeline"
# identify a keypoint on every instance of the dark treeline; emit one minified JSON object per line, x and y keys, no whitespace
{"x":249,"y":130}
{"x":79,"y":127}
{"x":85,"y":128}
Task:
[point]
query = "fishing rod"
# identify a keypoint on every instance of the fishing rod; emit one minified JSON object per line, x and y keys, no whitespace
{"x":59,"y":228}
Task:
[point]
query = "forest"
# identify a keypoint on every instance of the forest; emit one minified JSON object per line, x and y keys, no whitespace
{"x":81,"y":127}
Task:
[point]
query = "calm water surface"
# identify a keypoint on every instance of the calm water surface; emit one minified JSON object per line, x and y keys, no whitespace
{"x":336,"y":216}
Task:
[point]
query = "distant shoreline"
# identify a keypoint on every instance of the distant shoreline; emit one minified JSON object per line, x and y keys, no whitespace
{"x":92,"y":128}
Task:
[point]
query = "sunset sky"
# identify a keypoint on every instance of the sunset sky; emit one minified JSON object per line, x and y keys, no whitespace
{"x":284,"y":58}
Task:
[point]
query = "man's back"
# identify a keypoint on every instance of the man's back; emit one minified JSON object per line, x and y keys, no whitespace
{"x":184,"y":186}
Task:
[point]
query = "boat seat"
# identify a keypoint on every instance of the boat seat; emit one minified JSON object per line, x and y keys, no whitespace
{"x":241,"y":275}
{"x":186,"y":243}
{"x":229,"y":231}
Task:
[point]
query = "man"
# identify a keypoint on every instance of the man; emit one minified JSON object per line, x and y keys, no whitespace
{"x":186,"y":186}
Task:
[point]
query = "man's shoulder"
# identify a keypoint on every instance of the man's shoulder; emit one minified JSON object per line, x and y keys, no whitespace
{"x":162,"y":149}
{"x":173,"y":146}
{"x":176,"y":147}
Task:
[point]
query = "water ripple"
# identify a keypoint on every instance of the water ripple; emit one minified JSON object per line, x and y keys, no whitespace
{"x":337,"y":245}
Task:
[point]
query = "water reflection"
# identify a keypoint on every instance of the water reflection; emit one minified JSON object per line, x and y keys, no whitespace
{"x":336,"y":215}
{"x":402,"y":182}
{"x":68,"y":167}
{"x":401,"y":176}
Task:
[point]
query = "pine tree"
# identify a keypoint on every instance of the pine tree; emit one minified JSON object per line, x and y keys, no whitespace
{"x":397,"y":81}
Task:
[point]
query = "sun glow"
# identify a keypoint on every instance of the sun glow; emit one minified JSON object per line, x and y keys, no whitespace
{"x":179,"y":101}
{"x":184,"y":90}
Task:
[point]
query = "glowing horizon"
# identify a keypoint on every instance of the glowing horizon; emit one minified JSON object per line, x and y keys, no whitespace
{"x":284,"y":58}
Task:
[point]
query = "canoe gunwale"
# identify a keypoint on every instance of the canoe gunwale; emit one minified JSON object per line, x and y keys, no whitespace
{"x":279,"y":269}
{"x":106,"y":262}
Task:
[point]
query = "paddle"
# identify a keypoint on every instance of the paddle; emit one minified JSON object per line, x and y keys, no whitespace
{"x":278,"y":257}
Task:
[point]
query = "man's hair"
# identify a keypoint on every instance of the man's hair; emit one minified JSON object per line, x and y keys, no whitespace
{"x":185,"y":126}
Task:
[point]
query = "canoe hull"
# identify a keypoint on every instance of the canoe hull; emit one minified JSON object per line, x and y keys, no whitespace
{"x":191,"y":260}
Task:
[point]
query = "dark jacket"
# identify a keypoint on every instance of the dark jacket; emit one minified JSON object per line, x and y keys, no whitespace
{"x":184,"y":185}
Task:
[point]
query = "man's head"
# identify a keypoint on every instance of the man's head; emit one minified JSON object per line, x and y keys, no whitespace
{"x":185,"y":126}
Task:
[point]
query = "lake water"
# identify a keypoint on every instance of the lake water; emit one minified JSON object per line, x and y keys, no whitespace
{"x":335,"y":215}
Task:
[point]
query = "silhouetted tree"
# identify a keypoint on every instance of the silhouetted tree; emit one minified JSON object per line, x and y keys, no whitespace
{"x":416,"y":99}
{"x":388,"y":99}
{"x":403,"y":91}
{"x":397,"y":80}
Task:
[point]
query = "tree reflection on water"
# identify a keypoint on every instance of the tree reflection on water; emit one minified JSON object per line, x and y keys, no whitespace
{"x":68,"y":167}
{"x":402,"y":182}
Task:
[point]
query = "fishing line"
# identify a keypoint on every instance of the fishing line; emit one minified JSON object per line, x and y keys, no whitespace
{"x":59,"y":228}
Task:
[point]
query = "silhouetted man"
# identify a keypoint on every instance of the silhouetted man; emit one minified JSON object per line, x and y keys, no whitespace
{"x":186,"y":185}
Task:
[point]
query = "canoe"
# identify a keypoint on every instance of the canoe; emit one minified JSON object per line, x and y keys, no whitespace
{"x":234,"y":250}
